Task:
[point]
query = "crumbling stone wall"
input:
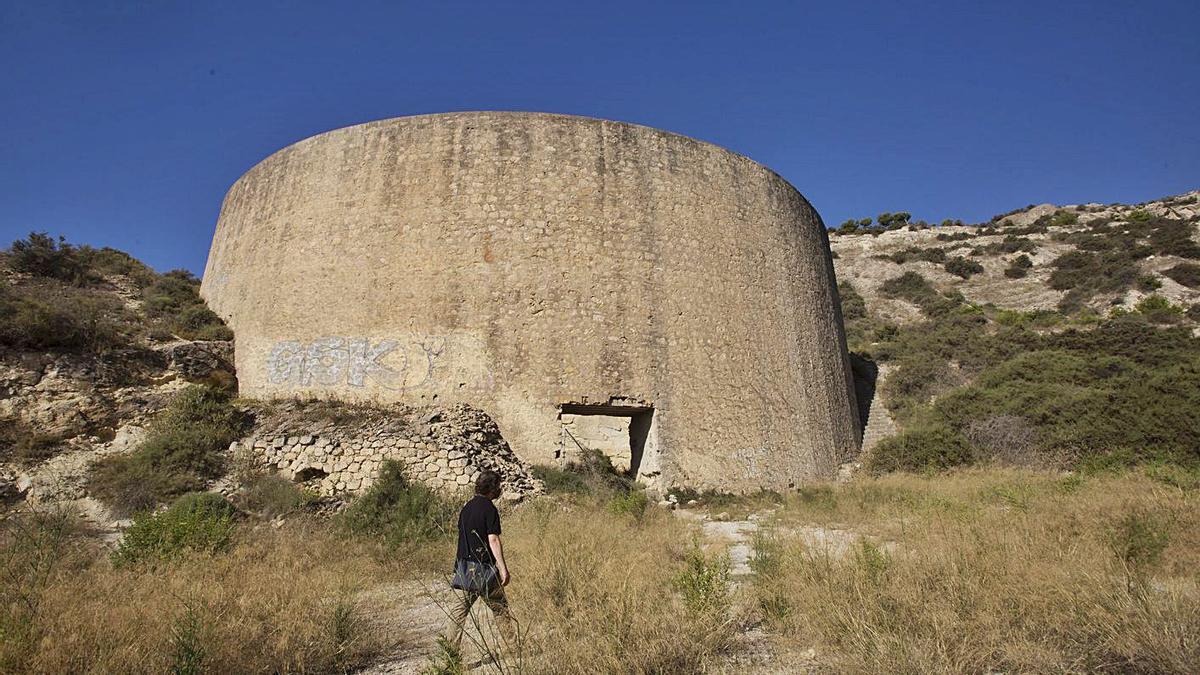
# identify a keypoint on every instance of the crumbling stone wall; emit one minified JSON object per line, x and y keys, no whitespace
{"x":444,"y":449}
{"x":520,"y":262}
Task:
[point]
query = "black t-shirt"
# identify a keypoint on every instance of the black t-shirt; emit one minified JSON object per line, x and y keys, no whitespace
{"x":476,"y":521}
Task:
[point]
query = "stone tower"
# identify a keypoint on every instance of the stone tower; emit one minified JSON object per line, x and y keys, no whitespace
{"x":590,"y":284}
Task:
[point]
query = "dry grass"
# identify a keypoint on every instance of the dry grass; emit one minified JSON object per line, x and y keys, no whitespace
{"x":977,"y":571}
{"x":992,"y":571}
{"x":595,"y":591}
{"x":279,"y":601}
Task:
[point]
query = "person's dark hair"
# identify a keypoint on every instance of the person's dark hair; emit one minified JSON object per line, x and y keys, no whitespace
{"x":488,"y":483}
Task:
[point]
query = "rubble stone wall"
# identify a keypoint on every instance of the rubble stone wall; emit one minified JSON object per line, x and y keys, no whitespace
{"x":446,"y":451}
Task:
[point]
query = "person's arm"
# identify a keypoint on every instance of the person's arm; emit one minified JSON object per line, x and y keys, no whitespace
{"x":498,"y":552}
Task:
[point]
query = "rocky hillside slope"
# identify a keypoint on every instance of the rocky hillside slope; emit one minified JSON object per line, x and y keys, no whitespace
{"x":947,"y":322}
{"x":1091,"y":256}
{"x":116,"y":394}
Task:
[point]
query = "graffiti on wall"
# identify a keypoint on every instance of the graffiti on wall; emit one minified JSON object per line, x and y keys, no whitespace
{"x":419,"y":362}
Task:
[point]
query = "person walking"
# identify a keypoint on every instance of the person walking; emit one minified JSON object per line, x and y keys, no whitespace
{"x":480,"y":571}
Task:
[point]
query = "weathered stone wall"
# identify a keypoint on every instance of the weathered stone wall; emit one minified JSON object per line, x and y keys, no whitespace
{"x":444,"y":449}
{"x":522,"y":261}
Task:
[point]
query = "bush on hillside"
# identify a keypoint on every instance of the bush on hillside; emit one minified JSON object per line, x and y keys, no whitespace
{"x":925,"y":448}
{"x":1158,"y":309}
{"x":181,"y":453}
{"x":1086,"y":393}
{"x":199,"y":522}
{"x":397,"y":511}
{"x":174,"y":299}
{"x":962,"y":267}
{"x":853,"y":305}
{"x":916,"y":289}
{"x":269,"y":495}
{"x":53,"y":316}
{"x":55,"y":312}
{"x":1019,"y":267}
{"x":40,"y":255}
{"x":957,"y":236}
{"x":1010,"y":244}
{"x":1186,"y":274}
{"x":933,"y":255}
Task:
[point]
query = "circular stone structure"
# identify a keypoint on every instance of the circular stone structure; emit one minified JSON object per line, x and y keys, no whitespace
{"x":590,"y":284}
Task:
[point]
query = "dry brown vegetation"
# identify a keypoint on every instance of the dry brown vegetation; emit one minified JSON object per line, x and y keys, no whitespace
{"x":601,"y":592}
{"x":277,"y":601}
{"x":997,"y":570}
{"x":971,"y":571}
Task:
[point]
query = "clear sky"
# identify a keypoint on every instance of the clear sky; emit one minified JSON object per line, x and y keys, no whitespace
{"x":123,"y":123}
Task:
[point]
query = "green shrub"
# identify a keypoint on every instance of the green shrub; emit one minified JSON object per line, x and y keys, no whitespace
{"x":1063,"y":217}
{"x":40,"y":255}
{"x":187,"y":645}
{"x":111,"y":261}
{"x":916,"y":289}
{"x":922,"y":448}
{"x":917,"y":378}
{"x":1186,"y":274}
{"x":49,"y":315}
{"x":1138,"y":541}
{"x":201,"y":522}
{"x":592,"y":473}
{"x":1010,"y":244}
{"x":1148,"y":283}
{"x":853,"y":305}
{"x":1019,"y":267}
{"x":957,"y":236}
{"x":632,"y":503}
{"x":962,"y":267}
{"x":1089,"y":273}
{"x":1172,"y":237}
{"x":933,"y":255}
{"x":174,"y":300}
{"x":704,"y":582}
{"x":1158,"y":309}
{"x":269,"y":495}
{"x":181,"y":453}
{"x":396,"y":511}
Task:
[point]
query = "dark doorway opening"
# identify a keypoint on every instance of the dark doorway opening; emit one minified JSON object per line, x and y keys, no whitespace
{"x":619,"y":432}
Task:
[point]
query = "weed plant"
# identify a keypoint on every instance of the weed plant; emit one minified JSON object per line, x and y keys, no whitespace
{"x":181,"y":453}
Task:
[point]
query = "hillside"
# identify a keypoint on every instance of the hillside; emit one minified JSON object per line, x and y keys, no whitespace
{"x":1089,"y":256}
{"x":1043,"y":337}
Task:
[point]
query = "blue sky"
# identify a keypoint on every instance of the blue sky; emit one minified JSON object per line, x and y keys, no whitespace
{"x":123,"y":123}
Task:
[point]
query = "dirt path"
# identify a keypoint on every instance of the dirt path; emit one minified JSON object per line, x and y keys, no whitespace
{"x":414,"y":614}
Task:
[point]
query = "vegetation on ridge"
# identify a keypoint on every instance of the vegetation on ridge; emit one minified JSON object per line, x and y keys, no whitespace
{"x":62,"y":297}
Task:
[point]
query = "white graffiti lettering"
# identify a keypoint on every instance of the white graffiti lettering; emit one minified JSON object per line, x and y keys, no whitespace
{"x":330,"y":361}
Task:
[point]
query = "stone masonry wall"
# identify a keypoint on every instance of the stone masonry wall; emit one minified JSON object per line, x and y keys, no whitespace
{"x":444,"y":449}
{"x":523,"y":262}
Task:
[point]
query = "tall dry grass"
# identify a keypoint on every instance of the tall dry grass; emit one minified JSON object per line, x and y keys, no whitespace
{"x":597,"y":590}
{"x":988,"y":571}
{"x":278,"y":601}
